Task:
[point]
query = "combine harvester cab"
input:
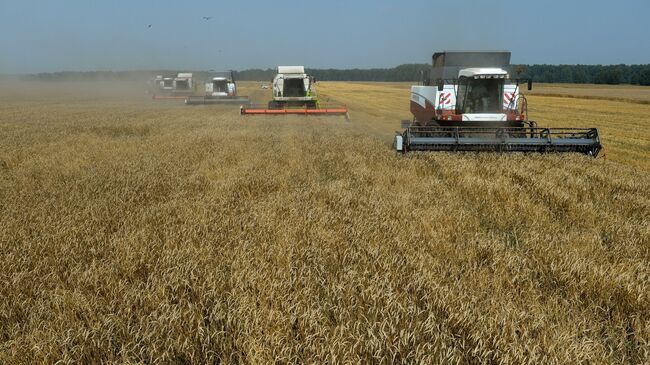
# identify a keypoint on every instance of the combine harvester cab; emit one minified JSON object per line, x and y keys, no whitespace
{"x":293,"y":94}
{"x":174,"y":87}
{"x":219,"y":89}
{"x":469,"y":103}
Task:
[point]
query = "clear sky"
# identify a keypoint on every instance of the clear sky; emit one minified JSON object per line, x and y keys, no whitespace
{"x":56,"y":35}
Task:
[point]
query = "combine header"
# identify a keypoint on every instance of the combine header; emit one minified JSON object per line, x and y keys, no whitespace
{"x":173,"y":87}
{"x":499,"y":139}
{"x":219,"y":89}
{"x":292,"y":94}
{"x":474,"y":105}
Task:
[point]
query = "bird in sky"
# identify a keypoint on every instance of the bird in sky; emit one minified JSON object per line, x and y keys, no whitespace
{"x":149,"y":26}
{"x":207,"y":17}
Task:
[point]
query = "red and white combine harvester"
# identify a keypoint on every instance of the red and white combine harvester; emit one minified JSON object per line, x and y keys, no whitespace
{"x":179,"y":86}
{"x":293,"y":94}
{"x":469,"y":102}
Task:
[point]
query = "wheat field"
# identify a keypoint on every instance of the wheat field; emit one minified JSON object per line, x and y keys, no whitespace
{"x":630,"y":93}
{"x":141,"y":232}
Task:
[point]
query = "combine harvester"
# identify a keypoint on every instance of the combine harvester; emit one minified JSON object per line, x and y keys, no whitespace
{"x":292,"y":94}
{"x":474,"y":105}
{"x":219,"y":89}
{"x":179,"y":86}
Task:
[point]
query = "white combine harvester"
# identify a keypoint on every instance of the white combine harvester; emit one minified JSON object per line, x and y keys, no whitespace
{"x":293,"y":94}
{"x":292,"y":87}
{"x":178,"y":86}
{"x":469,"y":102}
{"x":219,"y":89}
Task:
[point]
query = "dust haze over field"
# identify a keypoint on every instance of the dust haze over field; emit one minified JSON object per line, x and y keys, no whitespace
{"x":135,"y":231}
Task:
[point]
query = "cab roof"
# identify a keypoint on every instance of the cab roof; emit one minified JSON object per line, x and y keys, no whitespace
{"x":483,"y":71}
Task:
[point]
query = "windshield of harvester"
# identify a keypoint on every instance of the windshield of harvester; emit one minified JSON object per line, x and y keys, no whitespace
{"x":294,"y":88}
{"x":480,"y":95}
{"x":220,"y":86}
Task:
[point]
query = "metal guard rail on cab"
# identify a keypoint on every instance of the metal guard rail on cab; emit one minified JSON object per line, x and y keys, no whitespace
{"x":499,"y":139}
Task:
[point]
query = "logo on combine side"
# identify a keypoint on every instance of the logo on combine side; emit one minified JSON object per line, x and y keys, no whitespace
{"x":445,"y":98}
{"x":508,"y":99}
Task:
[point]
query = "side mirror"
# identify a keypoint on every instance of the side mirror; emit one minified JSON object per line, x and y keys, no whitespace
{"x":441,"y":85}
{"x":530,"y":85}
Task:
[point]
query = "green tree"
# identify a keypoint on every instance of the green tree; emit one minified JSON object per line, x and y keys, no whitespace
{"x":609,"y":75}
{"x":644,"y":76}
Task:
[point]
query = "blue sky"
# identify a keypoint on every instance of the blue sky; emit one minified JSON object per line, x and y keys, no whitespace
{"x":55,"y":35}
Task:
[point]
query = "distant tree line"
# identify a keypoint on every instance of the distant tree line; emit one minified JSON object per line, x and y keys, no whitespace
{"x":409,"y":72}
{"x":589,"y":74}
{"x":579,"y":74}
